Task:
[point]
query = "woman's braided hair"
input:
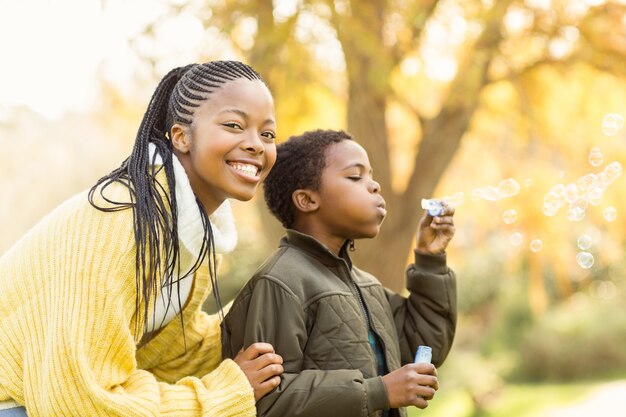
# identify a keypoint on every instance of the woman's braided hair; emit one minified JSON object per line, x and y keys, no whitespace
{"x":155,"y":217}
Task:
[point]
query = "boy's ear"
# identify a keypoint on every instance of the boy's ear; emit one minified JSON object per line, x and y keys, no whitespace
{"x":180,"y":139}
{"x":305,"y":200}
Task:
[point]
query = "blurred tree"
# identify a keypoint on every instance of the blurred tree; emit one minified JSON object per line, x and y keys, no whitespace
{"x":432,"y":58}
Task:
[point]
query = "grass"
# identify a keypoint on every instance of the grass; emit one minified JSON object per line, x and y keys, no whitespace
{"x":515,"y":400}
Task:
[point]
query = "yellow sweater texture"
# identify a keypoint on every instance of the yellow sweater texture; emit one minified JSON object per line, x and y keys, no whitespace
{"x":67,"y":320}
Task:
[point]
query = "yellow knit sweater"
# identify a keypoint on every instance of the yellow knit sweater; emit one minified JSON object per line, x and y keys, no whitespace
{"x":67,"y":343}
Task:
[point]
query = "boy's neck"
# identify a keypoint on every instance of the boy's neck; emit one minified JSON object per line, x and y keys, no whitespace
{"x":333,"y":242}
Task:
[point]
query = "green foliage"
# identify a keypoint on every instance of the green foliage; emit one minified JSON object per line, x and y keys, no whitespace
{"x":520,"y":400}
{"x":581,"y":339}
{"x":235,"y":270}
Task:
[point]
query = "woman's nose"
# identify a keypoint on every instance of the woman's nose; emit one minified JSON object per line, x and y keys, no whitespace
{"x":253,"y":144}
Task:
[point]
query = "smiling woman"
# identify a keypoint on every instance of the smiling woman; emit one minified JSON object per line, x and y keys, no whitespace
{"x":128,"y":264}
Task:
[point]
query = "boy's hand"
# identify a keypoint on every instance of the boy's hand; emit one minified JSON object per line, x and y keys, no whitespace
{"x":413,"y":384}
{"x":434,"y":233}
{"x":261,"y":366}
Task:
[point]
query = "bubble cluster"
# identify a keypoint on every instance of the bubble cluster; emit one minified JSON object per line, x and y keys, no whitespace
{"x":454,"y":200}
{"x":578,"y":195}
{"x":612,"y":123}
{"x":505,"y":189}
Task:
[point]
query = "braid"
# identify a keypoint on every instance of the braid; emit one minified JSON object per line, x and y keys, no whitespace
{"x":155,"y":216}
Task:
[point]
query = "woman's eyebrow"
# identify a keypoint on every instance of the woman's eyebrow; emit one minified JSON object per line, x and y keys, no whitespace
{"x":237,"y":111}
{"x":245,"y":115}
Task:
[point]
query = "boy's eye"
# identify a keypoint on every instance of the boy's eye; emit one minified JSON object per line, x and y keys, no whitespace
{"x":355,"y":177}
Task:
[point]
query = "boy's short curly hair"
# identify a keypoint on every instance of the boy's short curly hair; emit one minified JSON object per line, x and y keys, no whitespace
{"x":299,"y":164}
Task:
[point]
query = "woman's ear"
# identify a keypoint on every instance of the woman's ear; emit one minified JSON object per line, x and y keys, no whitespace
{"x":305,"y":200}
{"x":181,"y":140}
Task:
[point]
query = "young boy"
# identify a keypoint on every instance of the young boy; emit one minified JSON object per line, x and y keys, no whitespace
{"x":342,"y":336}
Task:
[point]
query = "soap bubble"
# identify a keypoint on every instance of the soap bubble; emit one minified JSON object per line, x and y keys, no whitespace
{"x":528,"y":182}
{"x":570,"y":193}
{"x":587,"y":182}
{"x":575,"y":214}
{"x":595,"y":157}
{"x":584,"y":259}
{"x":454,"y":200}
{"x":609,"y":214}
{"x":488,"y":193}
{"x":594,"y":196}
{"x":509,"y":216}
{"x":536,"y":245}
{"x":508,"y":187}
{"x":612,"y":123}
{"x":584,"y":242}
{"x":612,"y":171}
{"x":549,"y":210}
{"x":516,"y":239}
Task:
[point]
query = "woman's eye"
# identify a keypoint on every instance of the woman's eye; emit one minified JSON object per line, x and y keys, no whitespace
{"x":269,"y":135}
{"x":233,"y":125}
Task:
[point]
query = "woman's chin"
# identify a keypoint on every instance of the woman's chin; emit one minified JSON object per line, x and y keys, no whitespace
{"x":243,"y":195}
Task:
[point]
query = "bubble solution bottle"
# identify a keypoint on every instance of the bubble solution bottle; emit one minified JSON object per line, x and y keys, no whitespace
{"x":424,"y":354}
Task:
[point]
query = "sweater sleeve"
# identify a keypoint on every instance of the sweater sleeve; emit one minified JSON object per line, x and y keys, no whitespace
{"x":270,"y":313}
{"x":428,"y":315}
{"x":68,"y":339}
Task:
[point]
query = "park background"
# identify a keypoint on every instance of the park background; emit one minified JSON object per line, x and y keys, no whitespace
{"x":512,"y":109}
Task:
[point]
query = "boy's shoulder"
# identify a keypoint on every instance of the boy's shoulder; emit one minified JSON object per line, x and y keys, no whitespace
{"x":296,"y":271}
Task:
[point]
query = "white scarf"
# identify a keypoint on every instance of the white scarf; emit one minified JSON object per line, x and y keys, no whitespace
{"x":190,"y":235}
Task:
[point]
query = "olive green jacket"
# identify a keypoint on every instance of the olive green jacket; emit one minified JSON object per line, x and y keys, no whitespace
{"x":309,"y":304}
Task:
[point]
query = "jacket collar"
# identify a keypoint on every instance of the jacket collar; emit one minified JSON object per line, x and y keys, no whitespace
{"x":317,"y":249}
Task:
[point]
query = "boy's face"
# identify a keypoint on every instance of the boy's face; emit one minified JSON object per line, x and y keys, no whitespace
{"x":350,"y":204}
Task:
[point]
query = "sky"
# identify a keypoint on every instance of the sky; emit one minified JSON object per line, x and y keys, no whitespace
{"x":52,"y":50}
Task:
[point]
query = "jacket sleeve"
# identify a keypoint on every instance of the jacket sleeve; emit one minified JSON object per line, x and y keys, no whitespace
{"x":269,"y":312}
{"x":428,"y":315}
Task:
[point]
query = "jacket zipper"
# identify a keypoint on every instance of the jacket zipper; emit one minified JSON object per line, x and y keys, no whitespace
{"x":369,"y":323}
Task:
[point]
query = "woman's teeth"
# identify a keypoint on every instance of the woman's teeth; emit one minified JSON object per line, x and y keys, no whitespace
{"x":246,"y":168}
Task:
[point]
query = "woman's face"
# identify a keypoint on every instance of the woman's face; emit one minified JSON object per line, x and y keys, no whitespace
{"x":229,"y":148}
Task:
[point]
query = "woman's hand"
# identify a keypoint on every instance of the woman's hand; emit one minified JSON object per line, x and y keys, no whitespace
{"x":261,"y":366}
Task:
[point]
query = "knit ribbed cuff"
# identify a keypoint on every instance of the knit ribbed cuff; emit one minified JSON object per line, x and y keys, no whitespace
{"x":231,"y":393}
